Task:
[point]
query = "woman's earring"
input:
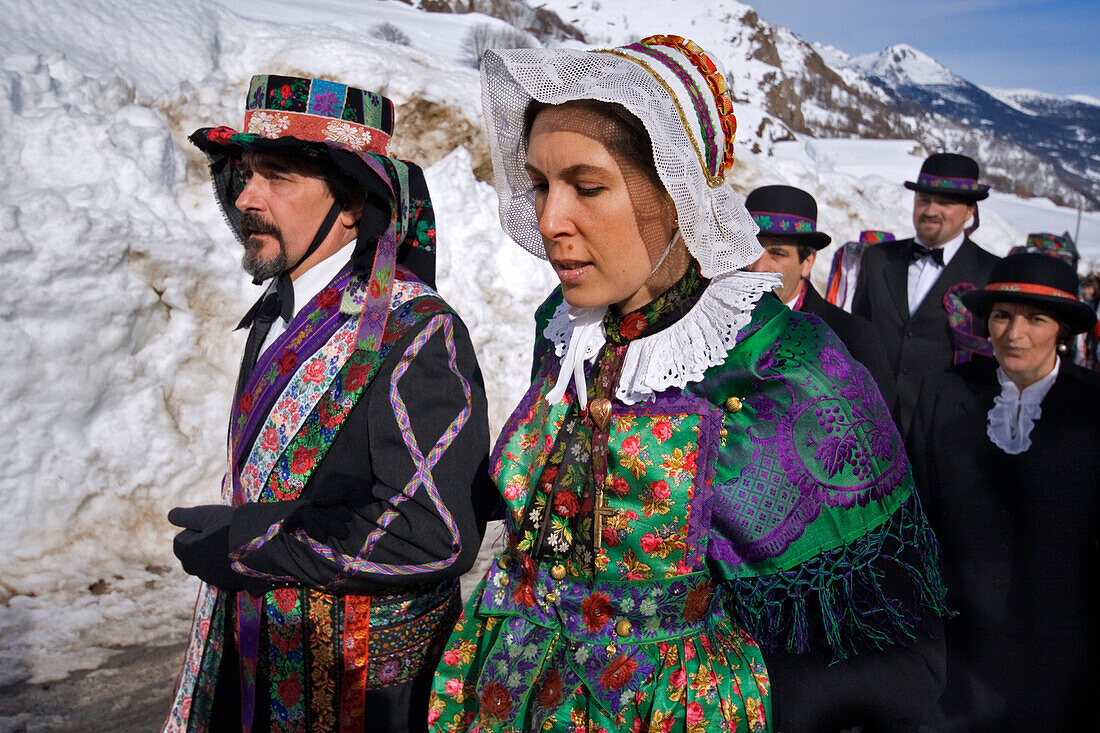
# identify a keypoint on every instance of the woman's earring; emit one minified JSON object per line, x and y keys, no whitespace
{"x":1062,"y":348}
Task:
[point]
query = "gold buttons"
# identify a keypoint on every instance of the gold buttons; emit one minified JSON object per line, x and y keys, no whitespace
{"x":723,"y":432}
{"x":550,"y":597}
{"x":557,"y":572}
{"x":733,"y":404}
{"x":504,"y":562}
{"x":623,"y":628}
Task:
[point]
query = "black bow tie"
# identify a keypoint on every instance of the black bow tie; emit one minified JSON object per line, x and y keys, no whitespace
{"x":919,"y":250}
{"x":278,"y":303}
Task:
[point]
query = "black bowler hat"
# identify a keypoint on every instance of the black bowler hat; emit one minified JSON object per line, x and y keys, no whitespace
{"x":949,"y":174}
{"x":786,"y":211}
{"x":1035,"y":279}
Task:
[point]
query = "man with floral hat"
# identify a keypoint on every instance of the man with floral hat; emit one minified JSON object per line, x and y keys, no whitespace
{"x":903,"y":286}
{"x":787,"y":217}
{"x":357,"y":439}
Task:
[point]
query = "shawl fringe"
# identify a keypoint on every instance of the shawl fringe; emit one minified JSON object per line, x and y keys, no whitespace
{"x":843,"y":591}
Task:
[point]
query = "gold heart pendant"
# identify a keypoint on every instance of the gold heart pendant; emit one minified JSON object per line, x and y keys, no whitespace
{"x":600,"y":410}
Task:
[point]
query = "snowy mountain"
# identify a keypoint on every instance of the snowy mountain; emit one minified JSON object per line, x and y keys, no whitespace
{"x":1063,"y":131}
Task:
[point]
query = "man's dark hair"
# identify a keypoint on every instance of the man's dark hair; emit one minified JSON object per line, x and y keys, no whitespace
{"x":629,"y":137}
{"x":804,"y":251}
{"x":344,"y":189}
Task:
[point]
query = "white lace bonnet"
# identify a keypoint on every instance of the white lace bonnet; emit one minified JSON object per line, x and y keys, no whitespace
{"x":668,"y":83}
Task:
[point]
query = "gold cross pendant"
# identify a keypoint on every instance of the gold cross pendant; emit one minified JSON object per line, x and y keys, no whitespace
{"x":601,"y":513}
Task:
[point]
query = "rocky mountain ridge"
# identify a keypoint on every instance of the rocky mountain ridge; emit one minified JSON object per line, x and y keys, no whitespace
{"x":784,"y":86}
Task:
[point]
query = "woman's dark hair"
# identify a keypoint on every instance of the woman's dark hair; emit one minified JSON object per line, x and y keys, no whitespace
{"x":629,"y":137}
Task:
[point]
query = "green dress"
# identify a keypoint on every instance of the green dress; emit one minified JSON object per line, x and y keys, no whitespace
{"x":650,"y":558}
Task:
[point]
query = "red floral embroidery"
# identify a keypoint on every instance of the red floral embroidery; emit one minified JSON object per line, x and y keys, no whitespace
{"x":270,"y":439}
{"x":596,"y":611}
{"x":610,"y":537}
{"x":662,"y":431}
{"x":285,"y":599}
{"x":697,"y":603}
{"x":328,"y":298}
{"x":650,"y":542}
{"x":694,"y":713}
{"x":496,"y":703}
{"x":450,"y":657}
{"x":566,"y":504}
{"x":288,"y":360}
{"x":375,"y":289}
{"x":315,"y":371}
{"x":631,"y":445}
{"x":285,"y":91}
{"x":356,"y":377}
{"x":632,"y":325}
{"x":546,"y":480}
{"x":618,"y":673}
{"x":221,"y":135}
{"x":453,"y":686}
{"x":550,"y":693}
{"x":302,"y":460}
{"x":246,"y":403}
{"x":619,"y":486}
{"x":290,"y":690}
{"x":660,"y":490}
{"x":689,"y":461}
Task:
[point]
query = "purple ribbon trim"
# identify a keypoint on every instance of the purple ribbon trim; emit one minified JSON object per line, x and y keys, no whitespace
{"x":774,"y":223}
{"x":946,"y":182}
{"x":309,"y":336}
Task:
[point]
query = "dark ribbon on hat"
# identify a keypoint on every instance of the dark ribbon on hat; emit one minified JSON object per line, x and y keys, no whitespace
{"x":919,"y":251}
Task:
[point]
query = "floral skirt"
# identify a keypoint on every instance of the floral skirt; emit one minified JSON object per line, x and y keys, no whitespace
{"x":509,"y":668}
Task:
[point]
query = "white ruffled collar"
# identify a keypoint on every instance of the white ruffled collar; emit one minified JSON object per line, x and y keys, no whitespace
{"x":673,"y":357}
{"x":1014,"y":412}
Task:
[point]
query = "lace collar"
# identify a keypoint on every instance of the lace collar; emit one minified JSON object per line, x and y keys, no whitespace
{"x":672,"y":357}
{"x":1014,"y":412}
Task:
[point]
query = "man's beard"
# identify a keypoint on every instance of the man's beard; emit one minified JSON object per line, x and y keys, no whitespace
{"x":253,"y":264}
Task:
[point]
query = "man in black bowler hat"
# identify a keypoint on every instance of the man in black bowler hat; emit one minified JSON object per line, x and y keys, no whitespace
{"x":787,"y":217}
{"x":901,"y":285}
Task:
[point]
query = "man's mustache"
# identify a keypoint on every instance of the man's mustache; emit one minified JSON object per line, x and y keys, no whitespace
{"x":256,"y":224}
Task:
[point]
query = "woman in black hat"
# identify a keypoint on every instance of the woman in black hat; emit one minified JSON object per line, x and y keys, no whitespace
{"x":1006,"y":457}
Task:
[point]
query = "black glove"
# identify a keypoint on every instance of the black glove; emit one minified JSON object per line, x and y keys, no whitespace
{"x":203,"y":547}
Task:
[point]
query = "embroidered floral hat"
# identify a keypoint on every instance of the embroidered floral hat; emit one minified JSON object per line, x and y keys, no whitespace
{"x":788,"y":212}
{"x":1053,"y":245}
{"x":950,"y":174}
{"x":341,"y":125}
{"x":875,"y":236}
{"x":679,"y":94}
{"x":1034,"y":279}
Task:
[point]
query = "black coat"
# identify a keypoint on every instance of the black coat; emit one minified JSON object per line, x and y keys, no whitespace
{"x":921,"y":344}
{"x":1020,"y":541}
{"x":858,"y":336}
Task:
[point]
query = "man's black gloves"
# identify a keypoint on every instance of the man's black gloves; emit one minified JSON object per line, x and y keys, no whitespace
{"x":203,"y":547}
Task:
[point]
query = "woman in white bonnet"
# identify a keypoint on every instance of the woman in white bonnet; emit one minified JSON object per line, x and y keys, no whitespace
{"x":705,"y":498}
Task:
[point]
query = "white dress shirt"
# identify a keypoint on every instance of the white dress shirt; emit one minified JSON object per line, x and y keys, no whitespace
{"x":308,"y":284}
{"x":1013,"y":415}
{"x":924,"y":272}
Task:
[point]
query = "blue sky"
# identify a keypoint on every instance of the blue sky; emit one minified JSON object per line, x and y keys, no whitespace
{"x":1052,"y":46}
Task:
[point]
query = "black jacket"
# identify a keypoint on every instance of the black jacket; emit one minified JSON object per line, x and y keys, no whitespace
{"x":1021,"y":545}
{"x":921,"y":344}
{"x":858,"y":336}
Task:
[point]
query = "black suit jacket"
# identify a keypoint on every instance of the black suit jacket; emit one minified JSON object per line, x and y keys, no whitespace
{"x":858,"y":336}
{"x":1021,"y":547}
{"x":913,"y":346}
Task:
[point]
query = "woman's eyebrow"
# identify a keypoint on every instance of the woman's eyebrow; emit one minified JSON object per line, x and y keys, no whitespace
{"x":572,"y":171}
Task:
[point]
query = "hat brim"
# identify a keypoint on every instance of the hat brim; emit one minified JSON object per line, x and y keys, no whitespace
{"x":817,"y":240}
{"x":971,"y":196}
{"x":1077,"y":316}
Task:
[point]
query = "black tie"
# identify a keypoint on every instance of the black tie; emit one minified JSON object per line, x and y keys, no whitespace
{"x":279,"y":302}
{"x":919,"y":251}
